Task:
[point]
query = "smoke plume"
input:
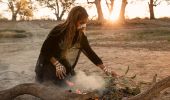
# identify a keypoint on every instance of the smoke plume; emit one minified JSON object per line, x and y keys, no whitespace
{"x":89,"y":82}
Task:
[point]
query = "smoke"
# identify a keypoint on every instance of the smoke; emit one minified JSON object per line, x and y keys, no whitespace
{"x":89,"y":82}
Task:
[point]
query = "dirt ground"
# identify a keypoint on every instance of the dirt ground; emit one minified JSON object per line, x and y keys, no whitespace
{"x":118,"y":46}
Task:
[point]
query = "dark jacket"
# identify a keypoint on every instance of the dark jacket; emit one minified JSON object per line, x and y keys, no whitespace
{"x":52,"y":47}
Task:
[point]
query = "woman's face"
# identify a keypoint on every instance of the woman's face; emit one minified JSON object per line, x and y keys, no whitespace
{"x":81,"y":24}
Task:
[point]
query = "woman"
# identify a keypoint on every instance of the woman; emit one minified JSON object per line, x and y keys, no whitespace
{"x":61,"y":50}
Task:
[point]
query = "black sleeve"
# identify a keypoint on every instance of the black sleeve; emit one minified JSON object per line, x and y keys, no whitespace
{"x":87,"y":50}
{"x":50,"y":47}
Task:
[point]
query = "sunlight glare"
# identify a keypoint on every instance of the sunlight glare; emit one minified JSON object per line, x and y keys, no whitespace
{"x":116,"y":10}
{"x":114,"y":14}
{"x":137,"y":9}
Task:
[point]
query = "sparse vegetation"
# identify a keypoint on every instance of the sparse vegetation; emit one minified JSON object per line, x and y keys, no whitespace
{"x":8,"y":33}
{"x":151,"y":35}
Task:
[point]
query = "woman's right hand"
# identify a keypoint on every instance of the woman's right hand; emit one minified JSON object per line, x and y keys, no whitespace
{"x":60,"y":71}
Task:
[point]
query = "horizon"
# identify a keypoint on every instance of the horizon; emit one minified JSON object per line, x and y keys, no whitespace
{"x":133,"y":10}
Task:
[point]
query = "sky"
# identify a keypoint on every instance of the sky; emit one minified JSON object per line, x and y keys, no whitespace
{"x":133,"y":10}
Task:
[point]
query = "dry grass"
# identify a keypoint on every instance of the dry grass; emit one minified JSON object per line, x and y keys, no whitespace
{"x":8,"y":33}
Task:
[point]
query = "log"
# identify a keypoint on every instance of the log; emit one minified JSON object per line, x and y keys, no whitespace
{"x":56,"y":93}
{"x":154,"y":90}
{"x":42,"y":92}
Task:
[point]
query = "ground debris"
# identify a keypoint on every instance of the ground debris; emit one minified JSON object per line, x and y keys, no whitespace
{"x":118,"y":88}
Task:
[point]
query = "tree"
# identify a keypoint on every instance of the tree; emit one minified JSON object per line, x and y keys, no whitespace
{"x":26,"y":14}
{"x":99,"y":9}
{"x":26,"y":11}
{"x":58,"y":6}
{"x":18,"y":6}
{"x":151,"y":5}
{"x":122,"y":11}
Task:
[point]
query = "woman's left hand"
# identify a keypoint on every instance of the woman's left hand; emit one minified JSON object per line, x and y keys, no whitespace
{"x":108,"y":71}
{"x":113,"y":74}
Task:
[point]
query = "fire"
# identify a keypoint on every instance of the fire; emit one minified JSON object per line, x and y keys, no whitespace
{"x":71,"y":84}
{"x":78,"y":91}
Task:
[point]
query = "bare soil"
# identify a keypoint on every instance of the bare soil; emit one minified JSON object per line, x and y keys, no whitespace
{"x":143,"y":45}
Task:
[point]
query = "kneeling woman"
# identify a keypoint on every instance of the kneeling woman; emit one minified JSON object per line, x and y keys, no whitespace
{"x":61,"y":49}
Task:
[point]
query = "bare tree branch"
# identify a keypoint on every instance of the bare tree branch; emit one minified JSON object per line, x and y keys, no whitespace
{"x":42,"y":92}
{"x":156,"y":3}
{"x":107,"y":4}
{"x":155,"y":89}
{"x":58,"y":6}
{"x":58,"y":9}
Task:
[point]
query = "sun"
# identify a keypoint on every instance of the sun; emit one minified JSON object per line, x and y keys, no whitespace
{"x":114,"y":14}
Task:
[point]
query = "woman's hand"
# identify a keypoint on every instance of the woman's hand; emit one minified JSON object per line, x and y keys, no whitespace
{"x":60,"y":71}
{"x":107,"y":70}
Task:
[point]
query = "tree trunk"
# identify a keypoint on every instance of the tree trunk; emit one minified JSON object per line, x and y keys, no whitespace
{"x":61,"y":15}
{"x":151,"y":9}
{"x":42,"y":92}
{"x":122,"y":11}
{"x":57,"y":16}
{"x":99,"y":11}
{"x":59,"y":19}
{"x":154,"y":90}
{"x":14,"y":17}
{"x":56,"y":93}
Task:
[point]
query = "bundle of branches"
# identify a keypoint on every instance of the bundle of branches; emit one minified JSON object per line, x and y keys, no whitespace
{"x":118,"y":88}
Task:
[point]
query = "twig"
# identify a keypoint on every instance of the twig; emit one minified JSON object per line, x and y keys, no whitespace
{"x":155,"y":89}
{"x":127,"y":71}
{"x":154,"y":79}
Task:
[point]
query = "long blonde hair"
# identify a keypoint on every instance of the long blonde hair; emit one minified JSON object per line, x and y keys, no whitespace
{"x":77,"y":13}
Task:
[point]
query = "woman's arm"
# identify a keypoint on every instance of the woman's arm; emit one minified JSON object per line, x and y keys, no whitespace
{"x":51,"y":50}
{"x":54,"y":61}
{"x":50,"y":47}
{"x":87,"y":50}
